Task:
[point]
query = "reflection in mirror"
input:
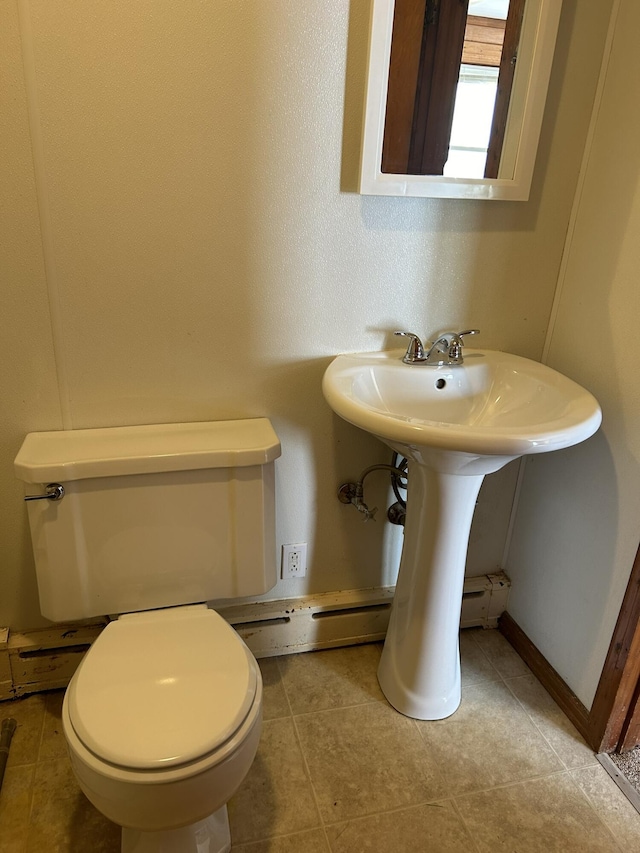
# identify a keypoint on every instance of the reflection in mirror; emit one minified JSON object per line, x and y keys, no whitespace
{"x":456,"y":92}
{"x":449,"y":60}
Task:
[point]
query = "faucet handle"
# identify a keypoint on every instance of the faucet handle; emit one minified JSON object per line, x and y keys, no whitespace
{"x":455,"y":347}
{"x":415,"y":350}
{"x":469,"y":332}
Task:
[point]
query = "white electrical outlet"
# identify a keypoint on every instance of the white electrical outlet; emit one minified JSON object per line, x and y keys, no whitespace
{"x":294,"y":560}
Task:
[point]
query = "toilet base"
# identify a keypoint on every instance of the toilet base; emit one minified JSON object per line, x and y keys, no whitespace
{"x":210,"y":835}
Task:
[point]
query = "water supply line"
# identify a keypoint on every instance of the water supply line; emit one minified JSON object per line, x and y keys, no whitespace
{"x":353,"y":493}
{"x":8,"y":728}
{"x":397,"y":512}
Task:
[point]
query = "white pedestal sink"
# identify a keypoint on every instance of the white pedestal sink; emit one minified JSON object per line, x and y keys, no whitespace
{"x":454,"y":424}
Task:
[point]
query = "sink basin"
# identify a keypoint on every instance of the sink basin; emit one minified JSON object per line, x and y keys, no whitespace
{"x":454,"y":425}
{"x":494,"y":403}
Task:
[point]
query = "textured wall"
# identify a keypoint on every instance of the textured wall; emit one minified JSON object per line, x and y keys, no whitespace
{"x":203,"y":259}
{"x":578,"y":520}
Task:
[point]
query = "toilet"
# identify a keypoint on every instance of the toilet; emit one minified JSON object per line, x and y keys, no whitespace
{"x":145,"y":525}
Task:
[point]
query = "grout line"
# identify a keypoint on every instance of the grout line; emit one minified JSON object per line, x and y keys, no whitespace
{"x":458,"y":811}
{"x":488,"y":659}
{"x":244,"y":845}
{"x":600,"y":819}
{"x":512,"y":784}
{"x":500,"y":676}
{"x":42,"y":728}
{"x":325,"y":824}
{"x":302,"y":754}
{"x":453,"y":799}
{"x":37,"y":761}
{"x":32,"y":768}
{"x":572,"y":782}
{"x":534,"y":723}
{"x":308,"y":772}
{"x":545,"y":716}
{"x":318,"y":710}
{"x":342,"y":708}
{"x":44,"y":211}
{"x":395,"y":810}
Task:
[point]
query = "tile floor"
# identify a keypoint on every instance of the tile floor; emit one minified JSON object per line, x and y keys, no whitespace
{"x":339,"y":771}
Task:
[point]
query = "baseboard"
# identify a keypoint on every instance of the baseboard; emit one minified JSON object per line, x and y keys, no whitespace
{"x":45,"y":659}
{"x":6,"y":682}
{"x":351,"y":617}
{"x":557,"y":688}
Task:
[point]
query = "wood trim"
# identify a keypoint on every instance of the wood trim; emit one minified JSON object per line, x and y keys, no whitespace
{"x":564,"y":697}
{"x":614,"y":718}
{"x":442,"y":44}
{"x":406,"y":47}
{"x":483,"y":40}
{"x":614,"y":699}
{"x":513,"y":30}
{"x":630,"y":737}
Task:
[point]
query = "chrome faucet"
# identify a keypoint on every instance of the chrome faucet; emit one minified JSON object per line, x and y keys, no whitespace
{"x":446,"y":350}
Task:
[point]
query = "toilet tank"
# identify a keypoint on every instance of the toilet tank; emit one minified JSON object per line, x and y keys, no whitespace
{"x":152,"y":516}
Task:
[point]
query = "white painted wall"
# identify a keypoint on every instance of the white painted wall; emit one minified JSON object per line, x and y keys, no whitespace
{"x":578,"y":521}
{"x":179,"y":243}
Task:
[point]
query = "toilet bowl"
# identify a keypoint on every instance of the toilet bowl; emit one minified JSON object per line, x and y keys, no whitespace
{"x":163,"y":716}
{"x":162,"y":720}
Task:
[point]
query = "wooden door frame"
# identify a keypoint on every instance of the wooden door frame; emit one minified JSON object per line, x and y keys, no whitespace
{"x":506,"y":74}
{"x":613,"y":722}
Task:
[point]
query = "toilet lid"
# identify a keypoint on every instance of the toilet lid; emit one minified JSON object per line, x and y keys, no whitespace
{"x":163,"y":688}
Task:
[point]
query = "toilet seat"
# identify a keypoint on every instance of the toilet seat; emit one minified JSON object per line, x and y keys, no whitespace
{"x":162,"y":689}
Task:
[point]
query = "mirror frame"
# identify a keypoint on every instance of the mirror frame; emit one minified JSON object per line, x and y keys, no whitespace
{"x":529,"y":93}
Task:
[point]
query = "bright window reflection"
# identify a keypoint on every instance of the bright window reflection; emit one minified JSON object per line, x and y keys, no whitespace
{"x":472,"y":116}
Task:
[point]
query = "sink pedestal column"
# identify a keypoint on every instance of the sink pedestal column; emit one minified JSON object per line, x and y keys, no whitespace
{"x":419,"y":670}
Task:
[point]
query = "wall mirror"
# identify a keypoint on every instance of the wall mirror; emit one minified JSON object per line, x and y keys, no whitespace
{"x":455,"y":96}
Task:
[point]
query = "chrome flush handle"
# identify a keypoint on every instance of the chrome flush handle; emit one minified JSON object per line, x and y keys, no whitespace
{"x":55,"y":492}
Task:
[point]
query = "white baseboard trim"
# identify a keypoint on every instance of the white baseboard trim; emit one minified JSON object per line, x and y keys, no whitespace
{"x":33,"y":661}
{"x":44,"y":659}
{"x":327,"y":620}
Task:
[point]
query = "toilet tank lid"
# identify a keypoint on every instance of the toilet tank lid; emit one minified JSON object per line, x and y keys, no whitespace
{"x":79,"y":454}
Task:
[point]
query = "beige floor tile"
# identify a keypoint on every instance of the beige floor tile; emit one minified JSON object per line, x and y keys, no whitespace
{"x":336,"y":678}
{"x":490,"y":740}
{"x":501,"y":654}
{"x":547,"y":815}
{"x":433,"y":828}
{"x":313,"y":841}
{"x":53,"y":744}
{"x":62,"y":819}
{"x":475,"y":666}
{"x":29,"y":715}
{"x":276,"y":798}
{"x":380,"y":780}
{"x":364,"y":759}
{"x":610,"y":805}
{"x":15,"y":804}
{"x":567,"y":742}
{"x":274,"y":699}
